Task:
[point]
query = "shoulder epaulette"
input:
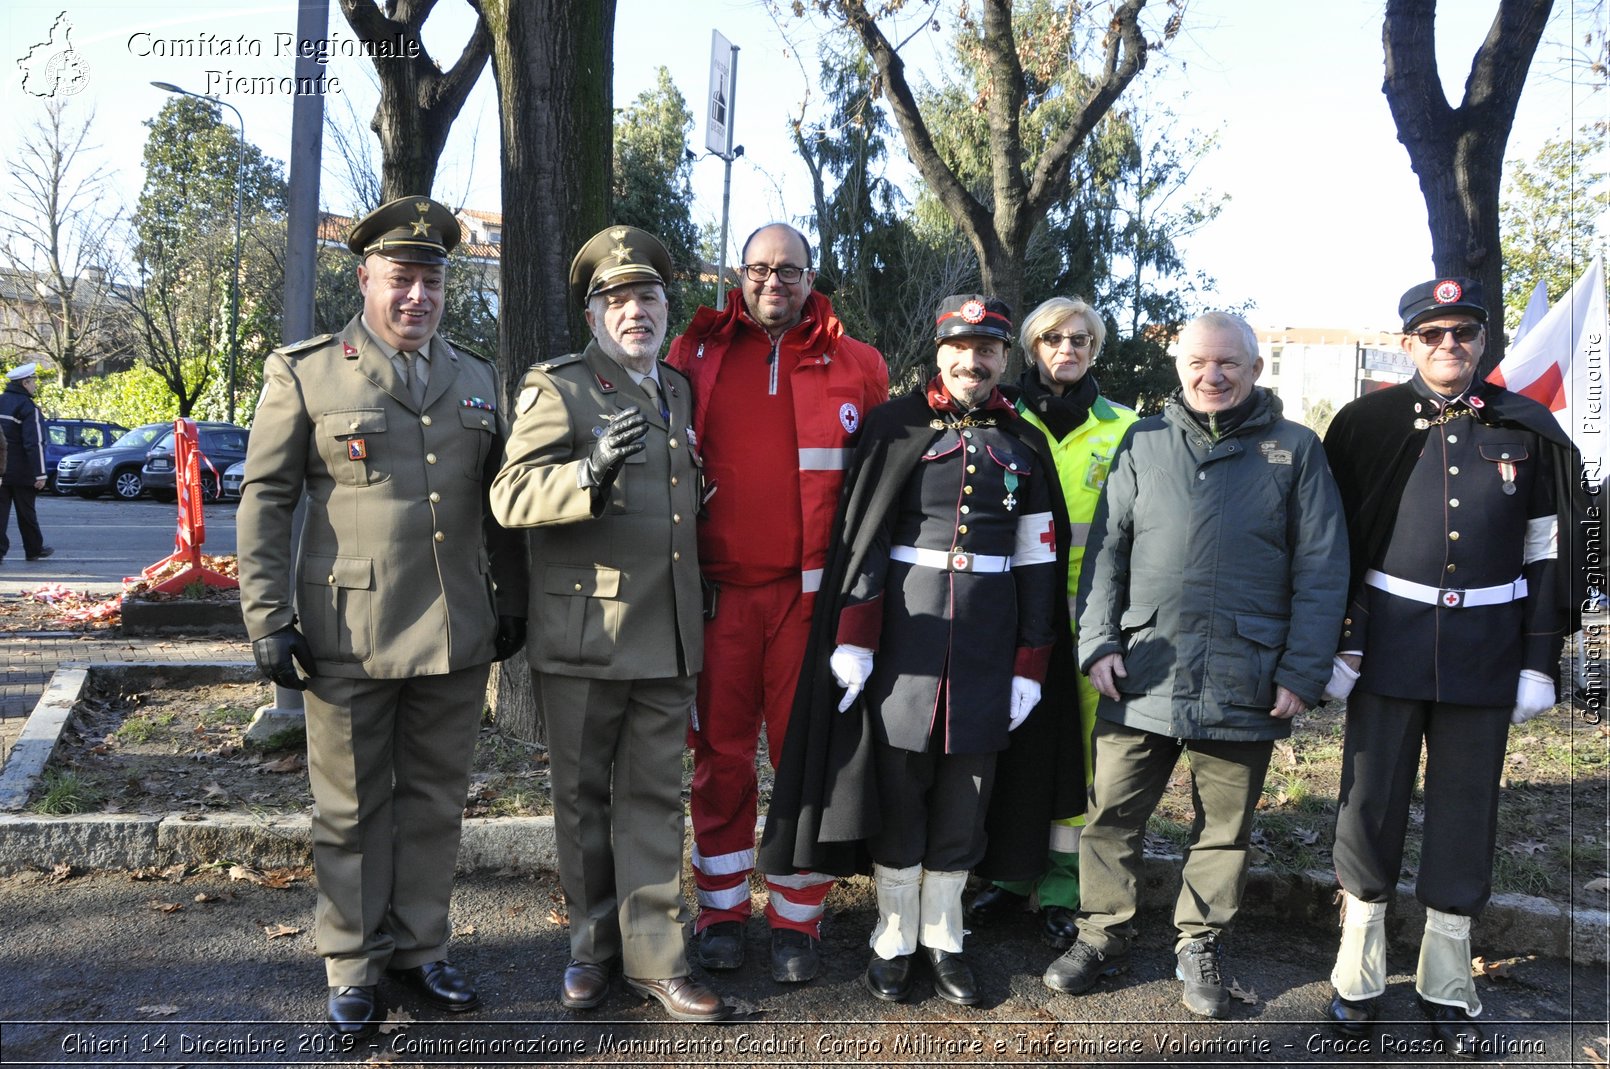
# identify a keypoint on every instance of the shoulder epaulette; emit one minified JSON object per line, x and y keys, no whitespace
{"x":467,"y":350}
{"x":305,"y":344}
{"x":557,"y":362}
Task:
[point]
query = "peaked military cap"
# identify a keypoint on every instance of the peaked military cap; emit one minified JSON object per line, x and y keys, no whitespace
{"x":614,"y":257}
{"x":24,"y":372}
{"x":409,"y":229}
{"x":1442,"y":296}
{"x":973,"y":313}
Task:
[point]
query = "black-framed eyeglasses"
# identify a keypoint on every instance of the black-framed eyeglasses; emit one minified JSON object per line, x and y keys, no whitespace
{"x":1055,"y":339}
{"x":1464,"y":334}
{"x":761,"y":272}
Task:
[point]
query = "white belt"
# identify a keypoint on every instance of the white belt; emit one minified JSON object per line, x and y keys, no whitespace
{"x":1447,"y":597}
{"x":955,"y":561}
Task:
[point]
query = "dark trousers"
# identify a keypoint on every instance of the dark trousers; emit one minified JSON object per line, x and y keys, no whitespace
{"x":1464,"y":746}
{"x":22,"y":495}
{"x":933,"y":807}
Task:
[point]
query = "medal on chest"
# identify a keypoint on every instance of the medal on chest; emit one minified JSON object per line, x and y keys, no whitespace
{"x":1010,"y":501}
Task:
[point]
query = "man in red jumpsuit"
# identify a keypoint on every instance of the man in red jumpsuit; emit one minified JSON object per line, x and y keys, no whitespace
{"x":779,"y":394}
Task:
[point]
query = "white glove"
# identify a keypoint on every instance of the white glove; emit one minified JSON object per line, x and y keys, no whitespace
{"x":852,"y":667}
{"x":1341,"y":682}
{"x":1534,"y":693}
{"x":1025,"y":696}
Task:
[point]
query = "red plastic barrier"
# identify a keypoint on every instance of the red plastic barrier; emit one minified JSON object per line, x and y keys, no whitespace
{"x":192,"y":531}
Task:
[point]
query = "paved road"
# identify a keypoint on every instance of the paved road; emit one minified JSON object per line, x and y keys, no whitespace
{"x":100,"y":542}
{"x":108,"y":970}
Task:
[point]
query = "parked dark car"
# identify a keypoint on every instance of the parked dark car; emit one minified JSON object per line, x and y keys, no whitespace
{"x":221,"y":444}
{"x":115,"y":468}
{"x":63,"y":437}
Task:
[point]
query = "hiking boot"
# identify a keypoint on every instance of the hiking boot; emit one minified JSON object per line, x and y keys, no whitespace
{"x":794,"y":956}
{"x":1198,"y":965}
{"x":1077,"y":971}
{"x":720,"y":946}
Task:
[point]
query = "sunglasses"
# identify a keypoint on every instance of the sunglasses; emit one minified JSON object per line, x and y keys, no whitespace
{"x":1055,"y":339}
{"x":1464,"y":334}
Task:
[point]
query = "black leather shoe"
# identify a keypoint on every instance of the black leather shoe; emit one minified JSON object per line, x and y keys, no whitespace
{"x":995,"y":903}
{"x":585,"y":985}
{"x":44,"y":551}
{"x":684,"y":998}
{"x":354,"y":1011}
{"x":720,"y":946}
{"x":1352,"y":1017}
{"x":890,"y":979}
{"x":794,"y":956}
{"x":1453,"y":1028}
{"x":953,"y":977}
{"x":1060,"y":929}
{"x":442,"y":983}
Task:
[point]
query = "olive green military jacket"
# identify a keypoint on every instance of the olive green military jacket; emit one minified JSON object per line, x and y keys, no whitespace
{"x":613,"y":595}
{"x":401,"y":570}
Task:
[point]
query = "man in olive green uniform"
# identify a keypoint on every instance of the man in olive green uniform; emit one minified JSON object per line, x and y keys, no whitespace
{"x":602,"y":468}
{"x":406,"y":590}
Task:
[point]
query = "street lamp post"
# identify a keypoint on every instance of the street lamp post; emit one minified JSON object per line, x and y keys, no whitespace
{"x":240,"y":193}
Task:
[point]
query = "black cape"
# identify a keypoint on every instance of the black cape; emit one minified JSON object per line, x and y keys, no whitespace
{"x":1372,"y":446}
{"x":824,"y":803}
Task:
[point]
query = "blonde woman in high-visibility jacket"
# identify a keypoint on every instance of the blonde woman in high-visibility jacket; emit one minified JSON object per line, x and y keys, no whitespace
{"x":1057,"y":393}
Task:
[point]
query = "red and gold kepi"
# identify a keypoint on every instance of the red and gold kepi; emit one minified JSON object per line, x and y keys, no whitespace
{"x":973,"y":313}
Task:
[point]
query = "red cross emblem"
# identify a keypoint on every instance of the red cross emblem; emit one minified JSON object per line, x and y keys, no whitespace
{"x":1452,"y":598}
{"x":1050,"y":536}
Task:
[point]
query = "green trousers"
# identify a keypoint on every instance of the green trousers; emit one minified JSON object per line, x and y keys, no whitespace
{"x":1132,"y":771}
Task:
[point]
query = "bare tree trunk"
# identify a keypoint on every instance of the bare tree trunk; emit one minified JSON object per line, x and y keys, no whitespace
{"x":1000,"y":233}
{"x":1458,"y":153}
{"x":418,"y":100}
{"x":553,"y":63}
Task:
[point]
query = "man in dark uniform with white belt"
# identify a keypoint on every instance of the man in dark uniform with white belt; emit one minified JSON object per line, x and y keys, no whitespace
{"x":406,"y":591}
{"x":1454,"y":491}
{"x":943,"y":608}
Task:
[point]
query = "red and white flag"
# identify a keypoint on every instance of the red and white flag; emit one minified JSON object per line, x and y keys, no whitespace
{"x":1562,"y":363}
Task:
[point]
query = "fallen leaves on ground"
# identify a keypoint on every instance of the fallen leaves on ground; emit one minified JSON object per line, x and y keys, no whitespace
{"x":157,"y":1011}
{"x":292,"y":762}
{"x":165,"y":907}
{"x":1601,"y":885}
{"x":396,"y":1021}
{"x":1248,"y":996}
{"x":60,"y":873}
{"x":278,"y":879}
{"x":280,"y":931}
{"x":558,"y":918}
{"x":1500,"y":968}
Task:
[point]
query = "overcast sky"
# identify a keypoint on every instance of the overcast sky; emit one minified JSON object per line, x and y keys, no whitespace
{"x":1325,"y":226}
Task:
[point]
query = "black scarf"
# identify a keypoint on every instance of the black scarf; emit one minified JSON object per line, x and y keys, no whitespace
{"x":1219,"y":424}
{"x":1061,"y":415}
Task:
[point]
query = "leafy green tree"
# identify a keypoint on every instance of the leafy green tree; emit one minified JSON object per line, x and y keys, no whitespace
{"x":1551,"y":216}
{"x":652,"y":185}
{"x":133,"y":397}
{"x":183,"y":245}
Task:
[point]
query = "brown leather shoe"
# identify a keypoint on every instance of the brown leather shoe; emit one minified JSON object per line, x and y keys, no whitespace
{"x":684,"y":998}
{"x":586,"y":984}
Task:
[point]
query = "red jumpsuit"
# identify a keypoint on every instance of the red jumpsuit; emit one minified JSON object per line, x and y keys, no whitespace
{"x":775,"y":425}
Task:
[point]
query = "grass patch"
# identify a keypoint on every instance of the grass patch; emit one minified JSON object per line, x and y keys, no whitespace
{"x":143,"y":727}
{"x":65,"y":793}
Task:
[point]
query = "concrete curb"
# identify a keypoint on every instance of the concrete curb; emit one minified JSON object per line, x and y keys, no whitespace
{"x":1512,"y":925}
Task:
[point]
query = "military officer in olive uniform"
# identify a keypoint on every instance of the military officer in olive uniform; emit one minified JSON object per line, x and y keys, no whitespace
{"x":602,"y":468}
{"x":406,"y":590}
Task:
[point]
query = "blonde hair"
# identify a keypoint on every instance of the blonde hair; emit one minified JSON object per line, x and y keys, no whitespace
{"x":1054,"y":311}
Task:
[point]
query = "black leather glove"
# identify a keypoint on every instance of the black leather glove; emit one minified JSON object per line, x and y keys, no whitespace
{"x":622,"y":437}
{"x":274,"y":653}
{"x":510,"y":637}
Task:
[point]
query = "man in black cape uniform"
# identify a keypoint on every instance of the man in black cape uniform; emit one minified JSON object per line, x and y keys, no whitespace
{"x":1461,"y":501}
{"x":825,"y":800}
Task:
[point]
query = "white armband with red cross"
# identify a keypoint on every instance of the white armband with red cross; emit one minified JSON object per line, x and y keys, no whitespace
{"x":1036,"y":539}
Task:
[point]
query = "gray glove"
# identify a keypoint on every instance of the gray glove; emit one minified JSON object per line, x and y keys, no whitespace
{"x":622,"y":437}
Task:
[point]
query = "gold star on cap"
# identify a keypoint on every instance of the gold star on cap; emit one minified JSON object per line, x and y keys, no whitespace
{"x":617,"y":256}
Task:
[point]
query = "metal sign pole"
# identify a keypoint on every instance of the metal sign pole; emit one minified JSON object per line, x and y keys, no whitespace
{"x":718,"y":139}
